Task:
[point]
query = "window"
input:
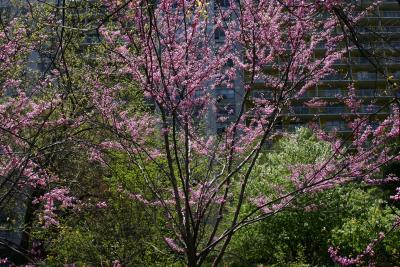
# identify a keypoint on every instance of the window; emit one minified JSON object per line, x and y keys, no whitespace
{"x":221,"y":130}
{"x":223,"y":94}
{"x":221,"y":4}
{"x":219,"y":36}
{"x":335,"y":110}
{"x":365,"y":75}
{"x":335,"y":76}
{"x":301,"y":110}
{"x":360,"y":60}
{"x":229,"y":63}
{"x":263,"y":94}
{"x":293,"y":127}
{"x":369,"y":109}
{"x":334,"y":92}
{"x":391,"y":14}
{"x":336,"y":126}
{"x":365,"y":92}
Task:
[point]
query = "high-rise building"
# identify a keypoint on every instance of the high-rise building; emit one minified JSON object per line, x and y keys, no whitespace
{"x":368,"y":66}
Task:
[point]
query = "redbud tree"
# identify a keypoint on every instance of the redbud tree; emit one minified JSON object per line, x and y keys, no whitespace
{"x":39,"y":123}
{"x":173,"y":51}
{"x":179,"y":54}
{"x":27,"y":115}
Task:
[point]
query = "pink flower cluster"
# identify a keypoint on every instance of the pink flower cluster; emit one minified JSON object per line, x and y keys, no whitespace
{"x":368,"y":252}
{"x":50,"y":200}
{"x":396,"y":197}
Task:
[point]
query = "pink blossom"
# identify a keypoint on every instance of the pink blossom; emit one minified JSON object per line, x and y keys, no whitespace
{"x":101,"y":205}
{"x":58,"y":196}
{"x":396,"y":197}
{"x":116,"y":263}
{"x":368,"y":251}
{"x":351,"y":101}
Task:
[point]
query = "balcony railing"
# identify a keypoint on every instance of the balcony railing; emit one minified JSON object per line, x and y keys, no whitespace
{"x":376,"y":29}
{"x":293,"y":127}
{"x":359,"y":60}
{"x":368,"y":76}
{"x":302,"y":110}
{"x":334,"y":77}
{"x":331,"y":128}
{"x":330,"y":93}
{"x":390,"y":14}
{"x":327,"y":93}
{"x":335,"y":110}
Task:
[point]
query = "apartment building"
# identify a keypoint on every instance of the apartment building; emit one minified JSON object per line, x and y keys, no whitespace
{"x":369,"y":70}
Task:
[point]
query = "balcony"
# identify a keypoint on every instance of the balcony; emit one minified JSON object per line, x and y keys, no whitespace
{"x":293,"y":127}
{"x":334,"y":110}
{"x":368,"y":76}
{"x":262,"y":94}
{"x":371,"y":109}
{"x":379,"y":30}
{"x":331,"y":93}
{"x":300,"y":110}
{"x":359,"y":60}
{"x":335,"y":77}
{"x":390,"y":14}
{"x":338,"y":126}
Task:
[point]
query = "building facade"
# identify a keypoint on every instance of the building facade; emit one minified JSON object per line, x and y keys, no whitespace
{"x":372,"y":67}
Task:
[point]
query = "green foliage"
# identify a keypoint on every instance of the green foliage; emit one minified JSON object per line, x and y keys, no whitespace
{"x":366,"y":214}
{"x":348,"y":217}
{"x":122,"y":231}
{"x":125,"y":230}
{"x":272,"y":167}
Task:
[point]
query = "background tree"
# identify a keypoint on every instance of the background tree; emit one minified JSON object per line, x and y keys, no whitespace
{"x":348,"y":217}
